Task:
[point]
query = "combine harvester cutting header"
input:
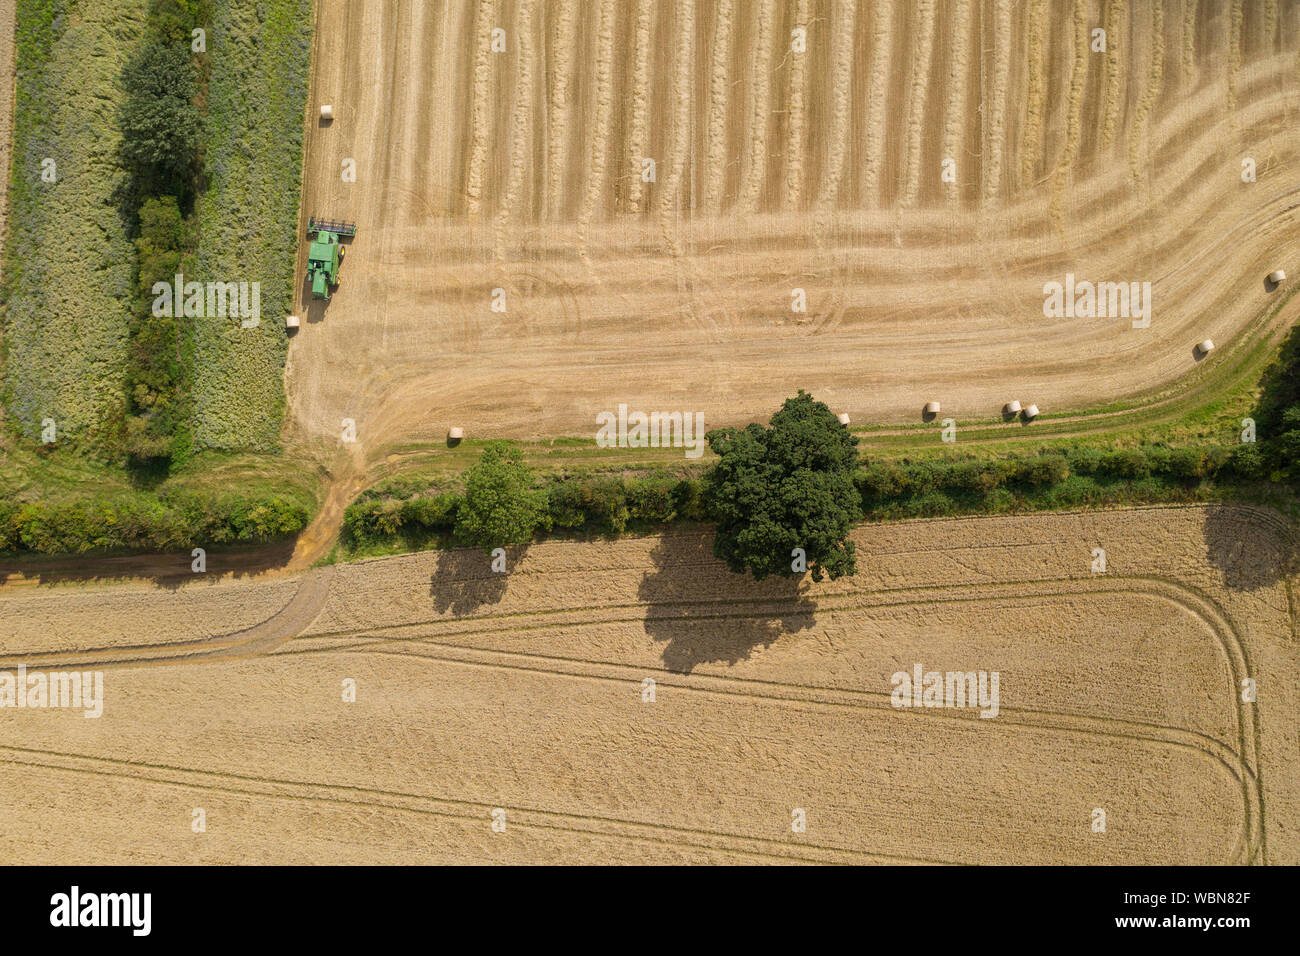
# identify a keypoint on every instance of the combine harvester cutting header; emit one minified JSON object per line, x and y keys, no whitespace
{"x":326,"y":253}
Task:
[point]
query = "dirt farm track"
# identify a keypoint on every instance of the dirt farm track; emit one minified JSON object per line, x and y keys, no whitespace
{"x":822,"y":170}
{"x":524,"y":693}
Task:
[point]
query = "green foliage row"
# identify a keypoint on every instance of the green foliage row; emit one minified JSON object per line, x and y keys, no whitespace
{"x":407,"y":512}
{"x":162,"y":125}
{"x":1077,"y":477}
{"x":612,"y":505}
{"x":606,"y":505}
{"x":139,"y":521}
{"x":160,"y":357}
{"x":890,"y":481}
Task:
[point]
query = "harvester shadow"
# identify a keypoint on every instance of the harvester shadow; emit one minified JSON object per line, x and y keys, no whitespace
{"x":313,"y":307}
{"x":1242,"y":555}
{"x":704,"y":614}
{"x":463,"y":580}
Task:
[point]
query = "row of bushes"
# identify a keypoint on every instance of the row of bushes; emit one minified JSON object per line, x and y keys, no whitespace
{"x":156,"y":426}
{"x":140,"y":521}
{"x":891,"y":481}
{"x":593,"y":505}
{"x":1076,"y":477}
{"x":408,"y":511}
{"x":162,"y":122}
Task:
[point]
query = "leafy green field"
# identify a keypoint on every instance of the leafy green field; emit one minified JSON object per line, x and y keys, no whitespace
{"x":70,"y":266}
{"x":249,"y":214}
{"x":68,"y":261}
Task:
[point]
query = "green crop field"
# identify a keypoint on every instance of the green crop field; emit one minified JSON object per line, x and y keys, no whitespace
{"x":249,"y":215}
{"x":68,"y":263}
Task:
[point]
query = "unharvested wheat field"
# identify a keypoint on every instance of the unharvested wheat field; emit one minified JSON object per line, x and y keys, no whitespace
{"x":523,"y":692}
{"x":777,"y":170}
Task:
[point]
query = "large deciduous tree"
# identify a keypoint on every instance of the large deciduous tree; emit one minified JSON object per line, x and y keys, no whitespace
{"x":784,"y":487}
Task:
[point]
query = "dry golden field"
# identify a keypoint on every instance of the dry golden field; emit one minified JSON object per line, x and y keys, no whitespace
{"x":524,"y":692}
{"x":778,"y":170}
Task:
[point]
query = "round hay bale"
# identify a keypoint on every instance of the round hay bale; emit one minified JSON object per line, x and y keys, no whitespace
{"x":327,"y":112}
{"x":1205,"y":347}
{"x":1012,"y":407}
{"x":932,"y":408}
{"x":455,"y":433}
{"x":291,"y":322}
{"x":1277,"y":277}
{"x":1031,"y":412}
{"x":843,"y":417}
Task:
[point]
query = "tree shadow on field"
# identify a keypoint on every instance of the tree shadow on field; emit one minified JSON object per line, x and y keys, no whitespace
{"x":464,"y":580}
{"x":171,"y":570}
{"x":1249,"y":554}
{"x":705,"y":614}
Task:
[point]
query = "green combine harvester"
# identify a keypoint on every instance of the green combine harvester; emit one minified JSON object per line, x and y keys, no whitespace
{"x":326,"y":253}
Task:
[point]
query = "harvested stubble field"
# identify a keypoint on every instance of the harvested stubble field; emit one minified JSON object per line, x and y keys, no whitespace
{"x":778,"y":170}
{"x":35,"y":624}
{"x":478,"y":691}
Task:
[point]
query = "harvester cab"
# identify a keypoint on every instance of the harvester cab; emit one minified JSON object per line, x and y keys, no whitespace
{"x":325,"y":253}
